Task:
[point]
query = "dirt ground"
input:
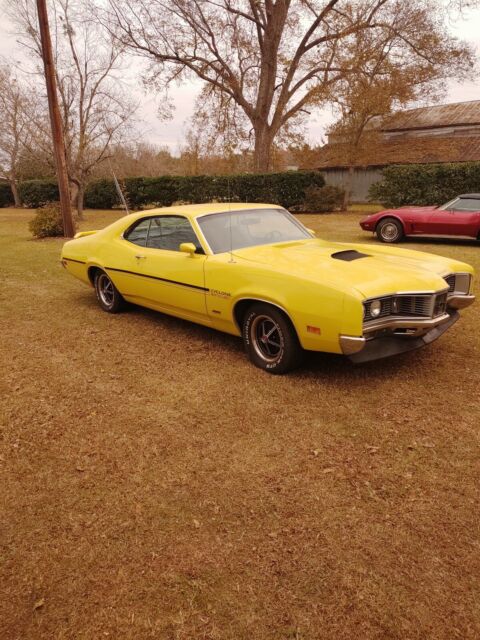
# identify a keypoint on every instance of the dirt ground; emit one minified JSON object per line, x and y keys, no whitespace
{"x":154,"y":484}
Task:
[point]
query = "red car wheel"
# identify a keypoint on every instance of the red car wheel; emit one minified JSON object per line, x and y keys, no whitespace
{"x":389,"y":230}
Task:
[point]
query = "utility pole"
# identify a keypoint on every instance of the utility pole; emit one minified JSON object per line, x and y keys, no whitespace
{"x":55,"y":120}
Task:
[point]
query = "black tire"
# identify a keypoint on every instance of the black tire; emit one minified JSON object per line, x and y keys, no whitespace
{"x":108,"y":295}
{"x":389,"y":230}
{"x":270,"y":339}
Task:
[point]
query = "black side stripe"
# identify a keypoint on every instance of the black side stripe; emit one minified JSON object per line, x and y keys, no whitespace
{"x":72,"y":260}
{"x":144,"y":275}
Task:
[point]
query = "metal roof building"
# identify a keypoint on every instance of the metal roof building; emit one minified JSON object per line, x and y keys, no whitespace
{"x":425,"y":135}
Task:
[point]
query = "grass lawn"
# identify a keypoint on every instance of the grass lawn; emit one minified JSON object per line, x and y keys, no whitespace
{"x":157,"y":485}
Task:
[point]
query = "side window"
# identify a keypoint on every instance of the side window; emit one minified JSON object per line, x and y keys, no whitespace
{"x":139,"y":233}
{"x":168,"y":232}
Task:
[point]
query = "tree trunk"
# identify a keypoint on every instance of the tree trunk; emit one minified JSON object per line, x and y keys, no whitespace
{"x":75,"y":188}
{"x":348,"y":187}
{"x":73,"y":193}
{"x":263,"y":149}
{"x":80,"y":199}
{"x":16,"y":195}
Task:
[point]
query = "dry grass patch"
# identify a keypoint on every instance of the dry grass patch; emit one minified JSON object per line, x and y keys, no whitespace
{"x":157,"y":485}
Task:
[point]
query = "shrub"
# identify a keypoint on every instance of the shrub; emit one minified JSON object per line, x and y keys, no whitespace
{"x":286,"y":188}
{"x":162,"y":191}
{"x":427,"y":184}
{"x":37,"y":193}
{"x":6,"y":195}
{"x":47,"y":222}
{"x":323,"y":199}
{"x":101,"y":194}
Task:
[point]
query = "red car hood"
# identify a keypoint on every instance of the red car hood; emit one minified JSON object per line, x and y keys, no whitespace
{"x":414,"y":209}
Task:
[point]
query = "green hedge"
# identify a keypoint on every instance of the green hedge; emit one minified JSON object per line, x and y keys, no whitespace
{"x":37,"y":193}
{"x":425,"y":184}
{"x":162,"y":191}
{"x":287,"y":189}
{"x":6,"y":195}
{"x":323,"y":199}
{"x":101,"y":194}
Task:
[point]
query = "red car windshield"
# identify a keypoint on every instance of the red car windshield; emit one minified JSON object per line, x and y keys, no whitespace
{"x":462,"y":204}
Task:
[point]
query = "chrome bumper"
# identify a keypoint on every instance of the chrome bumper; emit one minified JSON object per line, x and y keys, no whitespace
{"x":460,"y":302}
{"x":424,"y":332}
{"x":419,"y":325}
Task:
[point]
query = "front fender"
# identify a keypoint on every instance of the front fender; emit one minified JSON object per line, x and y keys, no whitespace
{"x":317,"y":312}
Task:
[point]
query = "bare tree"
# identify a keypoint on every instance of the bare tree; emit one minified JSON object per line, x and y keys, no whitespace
{"x":14,"y":104}
{"x":96,"y":111}
{"x":270,"y":61}
{"x":139,"y":160}
{"x":379,"y":86}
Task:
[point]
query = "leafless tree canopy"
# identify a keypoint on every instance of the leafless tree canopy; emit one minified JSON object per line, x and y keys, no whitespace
{"x":94,"y":101}
{"x":270,"y":62}
{"x":17,"y":106}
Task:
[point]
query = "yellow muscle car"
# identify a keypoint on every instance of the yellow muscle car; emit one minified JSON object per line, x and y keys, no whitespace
{"x":254,"y":270}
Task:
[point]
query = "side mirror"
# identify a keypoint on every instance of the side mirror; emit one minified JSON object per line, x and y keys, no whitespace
{"x":311,"y":231}
{"x":188,"y":247}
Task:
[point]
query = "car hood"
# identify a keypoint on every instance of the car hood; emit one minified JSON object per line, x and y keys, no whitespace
{"x":398,"y":212}
{"x":380,"y":271}
{"x":416,"y":209}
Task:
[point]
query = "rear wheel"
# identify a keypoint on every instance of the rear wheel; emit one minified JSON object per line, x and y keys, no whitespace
{"x":108,"y":295}
{"x":270,"y":339}
{"x":389,"y":230}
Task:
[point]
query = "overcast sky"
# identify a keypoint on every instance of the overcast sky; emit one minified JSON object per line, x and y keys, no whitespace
{"x":171,"y":133}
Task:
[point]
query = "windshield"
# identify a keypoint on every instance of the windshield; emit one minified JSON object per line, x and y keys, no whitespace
{"x":249,"y":228}
{"x":462,"y":204}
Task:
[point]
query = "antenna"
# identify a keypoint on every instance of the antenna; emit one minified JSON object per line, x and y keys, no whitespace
{"x":230,"y":218}
{"x":119,"y":191}
{"x":229,"y":195}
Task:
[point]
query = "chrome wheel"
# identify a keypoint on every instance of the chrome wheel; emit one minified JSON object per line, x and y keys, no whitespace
{"x":105,"y":290}
{"x":266,"y":337}
{"x":270,"y":339}
{"x":389,"y":232}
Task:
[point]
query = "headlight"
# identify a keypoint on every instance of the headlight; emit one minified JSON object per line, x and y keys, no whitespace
{"x":375,"y":308}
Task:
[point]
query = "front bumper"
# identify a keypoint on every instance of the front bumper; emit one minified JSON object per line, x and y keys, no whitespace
{"x":460,"y":301}
{"x":367,"y":225}
{"x":361,"y":350}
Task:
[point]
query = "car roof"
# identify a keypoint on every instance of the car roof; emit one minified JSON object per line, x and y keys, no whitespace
{"x":197,"y":210}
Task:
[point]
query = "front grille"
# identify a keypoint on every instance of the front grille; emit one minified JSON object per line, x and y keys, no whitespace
{"x":409,"y":306}
{"x":413,"y":306}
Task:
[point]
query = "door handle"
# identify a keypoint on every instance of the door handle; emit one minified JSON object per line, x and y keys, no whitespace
{"x":139,"y":257}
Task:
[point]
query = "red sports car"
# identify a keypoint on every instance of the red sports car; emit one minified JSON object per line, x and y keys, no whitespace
{"x":459,"y":218}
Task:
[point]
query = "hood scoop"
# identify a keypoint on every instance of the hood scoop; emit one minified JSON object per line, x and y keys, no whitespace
{"x":350,"y":255}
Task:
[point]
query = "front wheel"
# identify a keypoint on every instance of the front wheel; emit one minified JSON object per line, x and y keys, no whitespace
{"x":389,"y":230}
{"x":108,"y":295}
{"x":270,"y":339}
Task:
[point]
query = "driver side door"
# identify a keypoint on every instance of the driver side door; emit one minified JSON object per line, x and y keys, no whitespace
{"x":170,"y":280}
{"x":454,"y":221}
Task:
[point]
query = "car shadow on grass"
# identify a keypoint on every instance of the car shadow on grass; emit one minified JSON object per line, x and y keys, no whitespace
{"x":411,"y":241}
{"x":442,"y":241}
{"x":321,"y":365}
{"x":316,"y":365}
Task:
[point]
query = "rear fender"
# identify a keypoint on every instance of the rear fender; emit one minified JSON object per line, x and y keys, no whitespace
{"x":83,"y":234}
